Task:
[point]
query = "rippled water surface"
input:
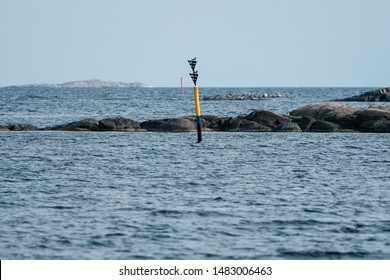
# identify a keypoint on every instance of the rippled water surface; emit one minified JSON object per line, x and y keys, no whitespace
{"x":107,"y":195}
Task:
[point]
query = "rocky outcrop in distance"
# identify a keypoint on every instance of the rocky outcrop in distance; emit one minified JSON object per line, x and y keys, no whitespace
{"x":378,"y":95}
{"x":95,"y":83}
{"x":320,"y":117}
{"x":249,"y":96}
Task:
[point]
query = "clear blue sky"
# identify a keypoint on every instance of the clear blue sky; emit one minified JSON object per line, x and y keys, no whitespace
{"x":237,"y":43}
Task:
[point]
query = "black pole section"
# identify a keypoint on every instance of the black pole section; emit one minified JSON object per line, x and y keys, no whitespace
{"x":199,"y":128}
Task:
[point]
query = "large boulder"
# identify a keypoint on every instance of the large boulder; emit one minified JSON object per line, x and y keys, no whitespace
{"x":372,"y":113}
{"x":324,"y":111}
{"x":288,"y":127}
{"x":238,"y":124}
{"x":4,"y":128}
{"x":323,"y":126}
{"x":213,"y":122}
{"x":373,"y":119}
{"x":266,"y":118}
{"x":332,"y":112}
{"x":22,"y":127}
{"x":183,"y":124}
{"x":378,"y":95}
{"x":82,"y":125}
{"x":382,"y":126}
{"x":152,"y":125}
{"x":305,"y":123}
{"x":118,"y":124}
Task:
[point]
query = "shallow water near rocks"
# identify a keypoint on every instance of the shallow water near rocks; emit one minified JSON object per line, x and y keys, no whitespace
{"x":118,"y":195}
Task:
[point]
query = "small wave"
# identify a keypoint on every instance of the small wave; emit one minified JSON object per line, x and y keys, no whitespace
{"x":354,"y":147}
{"x":313,"y":210}
{"x":211,"y":256}
{"x":116,"y":234}
{"x":96,"y":243}
{"x":166,"y":212}
{"x":60,"y":207}
{"x":349,"y":230}
{"x":315,"y":254}
{"x":205,"y":213}
{"x":64,"y":242}
{"x":301,"y":222}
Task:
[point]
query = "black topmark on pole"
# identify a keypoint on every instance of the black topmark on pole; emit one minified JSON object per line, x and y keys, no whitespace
{"x":194,"y":77}
{"x":192,"y":63}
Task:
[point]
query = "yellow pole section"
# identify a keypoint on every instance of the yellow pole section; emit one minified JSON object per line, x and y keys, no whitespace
{"x":197,"y":104}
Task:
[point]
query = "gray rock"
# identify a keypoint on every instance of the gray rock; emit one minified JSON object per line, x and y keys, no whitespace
{"x":179,"y":125}
{"x":368,"y":126}
{"x":107,"y":125}
{"x":82,"y":125}
{"x":118,"y":124}
{"x":373,"y":119}
{"x":344,"y":117}
{"x":371,"y":114}
{"x":324,"y":126}
{"x":248,"y":126}
{"x":212,"y":122}
{"x":305,"y":123}
{"x":324,"y":111}
{"x":3,"y":128}
{"x":243,"y":125}
{"x":230,"y":124}
{"x":266,"y":118}
{"x":347,"y":122}
{"x":170,"y":125}
{"x":152,"y":125}
{"x":246,"y":96}
{"x":382,"y":126}
{"x":22,"y":127}
{"x":288,"y":127}
{"x":378,"y":95}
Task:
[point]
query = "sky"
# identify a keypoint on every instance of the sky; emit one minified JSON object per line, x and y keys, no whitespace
{"x":238,"y":43}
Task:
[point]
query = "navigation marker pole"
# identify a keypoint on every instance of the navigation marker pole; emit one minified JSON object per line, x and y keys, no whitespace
{"x":194,"y":77}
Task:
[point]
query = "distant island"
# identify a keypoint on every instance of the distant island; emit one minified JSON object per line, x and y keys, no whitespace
{"x":95,"y":83}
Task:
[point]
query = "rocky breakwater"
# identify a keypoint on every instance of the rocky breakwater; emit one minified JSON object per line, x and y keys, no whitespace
{"x":322,"y":117}
{"x":378,"y":95}
{"x":256,"y":121}
{"x":249,"y":96}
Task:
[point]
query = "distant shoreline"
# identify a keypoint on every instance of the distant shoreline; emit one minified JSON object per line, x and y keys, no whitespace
{"x":94,"y":83}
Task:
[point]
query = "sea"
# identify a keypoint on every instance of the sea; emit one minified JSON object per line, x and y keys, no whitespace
{"x":146,"y":195}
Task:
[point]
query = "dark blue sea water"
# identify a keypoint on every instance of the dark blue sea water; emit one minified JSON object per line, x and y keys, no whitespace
{"x":118,"y":195}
